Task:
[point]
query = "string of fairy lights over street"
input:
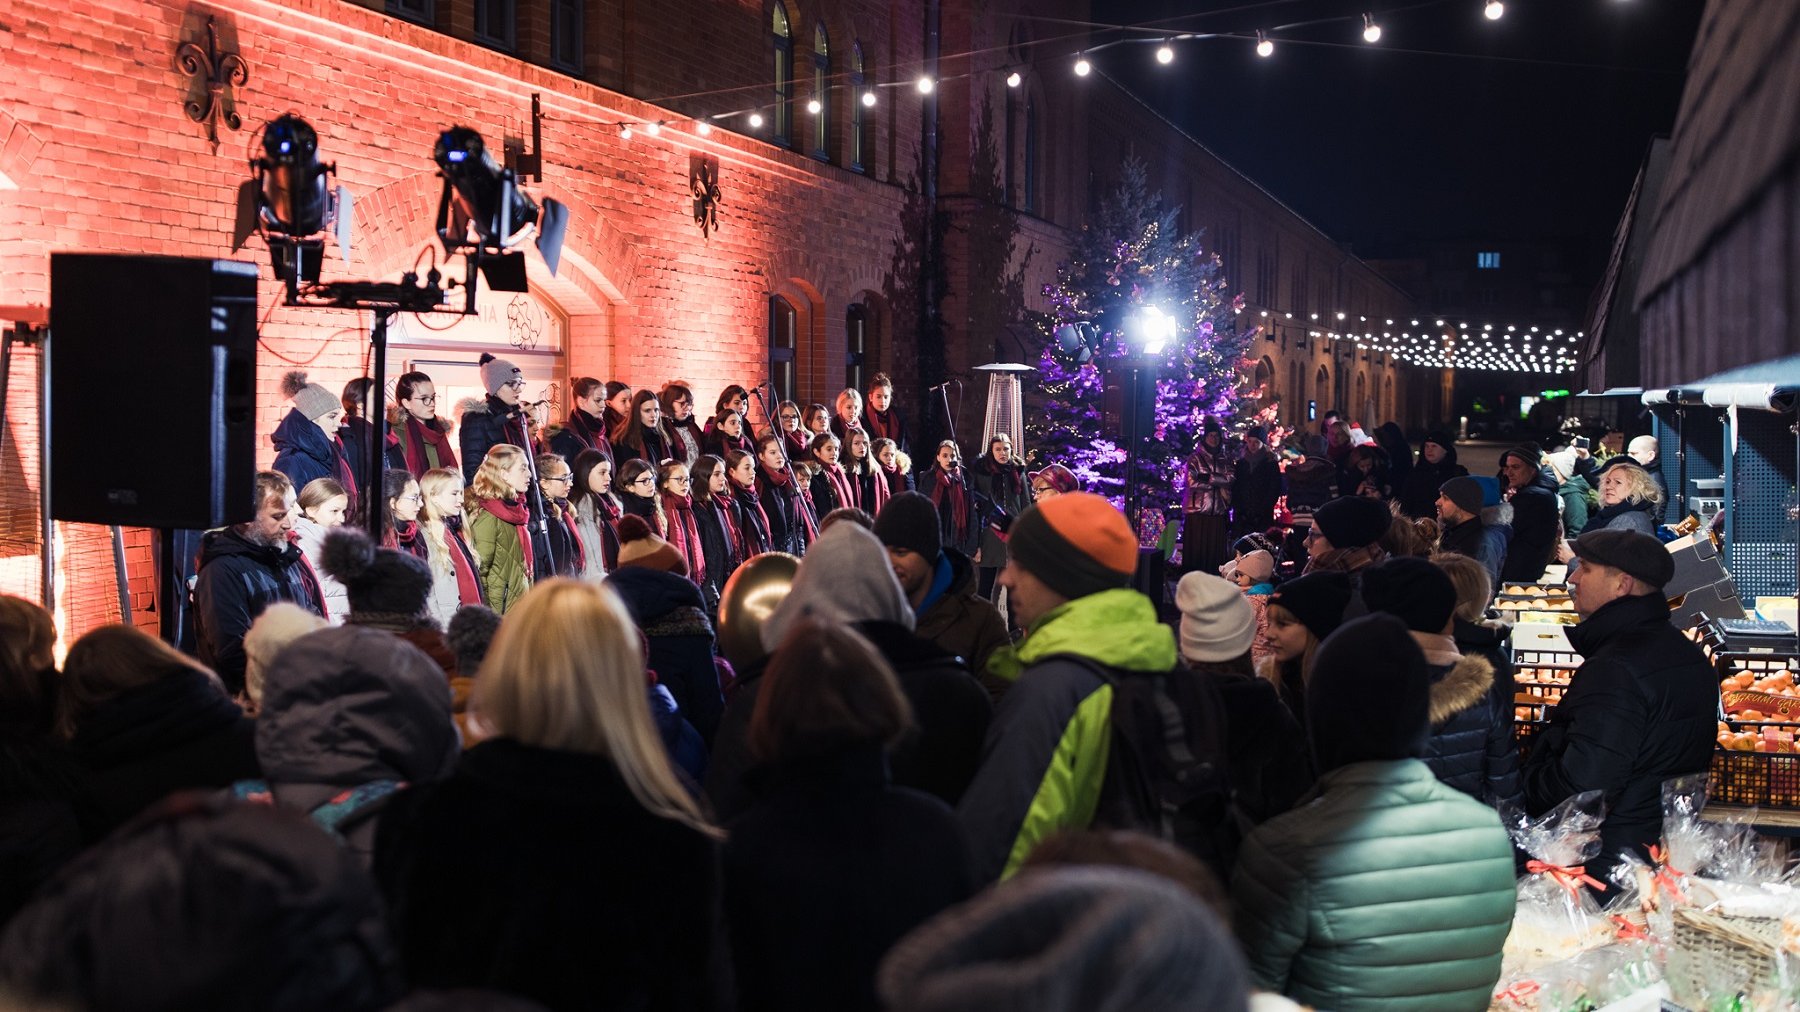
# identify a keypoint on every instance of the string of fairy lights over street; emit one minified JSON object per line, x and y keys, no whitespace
{"x":1443,"y":343}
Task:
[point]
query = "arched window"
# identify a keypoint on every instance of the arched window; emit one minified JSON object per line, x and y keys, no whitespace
{"x":1265,"y":382}
{"x":821,"y":93}
{"x":784,"y":338}
{"x":782,"y":116}
{"x":1031,"y":155}
{"x":1362,"y":402}
{"x":1322,"y":390}
{"x":859,"y":113}
{"x":856,"y":345}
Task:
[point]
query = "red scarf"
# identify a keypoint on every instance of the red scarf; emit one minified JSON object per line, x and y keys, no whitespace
{"x":878,"y":486}
{"x":747,"y":499}
{"x":841,"y":484}
{"x":779,"y":480}
{"x":589,"y":433}
{"x":417,"y":435}
{"x":404,"y":536}
{"x":346,"y":475}
{"x":949,"y":487}
{"x":734,"y":538}
{"x":462,"y":563}
{"x":513,"y":513}
{"x":684,"y":533}
{"x":799,"y":442}
{"x":565,"y":512}
{"x":881,"y":425}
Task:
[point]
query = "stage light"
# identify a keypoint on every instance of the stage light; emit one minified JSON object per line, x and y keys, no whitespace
{"x":1013,"y":80}
{"x":1153,"y":329}
{"x":868,"y":98}
{"x":1082,"y":67}
{"x":488,"y":202}
{"x":1077,"y":341}
{"x":1165,"y":54}
{"x":1371,"y":30}
{"x":925,"y":84}
{"x":1263,"y":46}
{"x":1494,"y":10}
{"x":294,"y":201}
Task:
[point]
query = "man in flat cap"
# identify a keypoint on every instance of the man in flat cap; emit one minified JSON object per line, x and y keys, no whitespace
{"x":1640,"y":710}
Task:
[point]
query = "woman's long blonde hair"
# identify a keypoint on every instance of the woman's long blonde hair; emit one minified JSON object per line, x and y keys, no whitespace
{"x":566,"y":672}
{"x":430,"y":484}
{"x":490,"y":477}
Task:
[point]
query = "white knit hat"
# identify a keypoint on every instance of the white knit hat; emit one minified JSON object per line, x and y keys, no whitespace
{"x":1217,"y":622}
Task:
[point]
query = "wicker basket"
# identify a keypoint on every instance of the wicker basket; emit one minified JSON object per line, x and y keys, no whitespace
{"x":1736,"y":951}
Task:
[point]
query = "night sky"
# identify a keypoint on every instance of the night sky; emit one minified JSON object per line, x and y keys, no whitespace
{"x":1380,"y":147}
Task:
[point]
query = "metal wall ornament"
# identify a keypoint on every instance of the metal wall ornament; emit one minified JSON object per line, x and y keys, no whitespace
{"x":217,"y":71}
{"x":703,"y":180}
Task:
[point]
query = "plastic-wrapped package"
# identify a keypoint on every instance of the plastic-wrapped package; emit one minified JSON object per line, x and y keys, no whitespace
{"x":1688,"y":840}
{"x":1557,"y":915}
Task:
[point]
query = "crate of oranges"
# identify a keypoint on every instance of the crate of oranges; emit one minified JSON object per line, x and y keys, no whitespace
{"x":1758,"y":761}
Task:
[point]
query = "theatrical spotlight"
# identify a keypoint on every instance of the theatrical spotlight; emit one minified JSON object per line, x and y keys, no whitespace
{"x":292,"y":203}
{"x":1077,"y":341}
{"x":484,"y":214}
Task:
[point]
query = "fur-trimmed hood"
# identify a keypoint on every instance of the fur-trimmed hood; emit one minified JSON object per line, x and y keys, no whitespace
{"x":1465,"y":685}
{"x":396,"y":415}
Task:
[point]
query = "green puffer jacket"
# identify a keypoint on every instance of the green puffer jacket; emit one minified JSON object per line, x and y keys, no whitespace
{"x":1386,"y":891}
{"x":505,"y":576}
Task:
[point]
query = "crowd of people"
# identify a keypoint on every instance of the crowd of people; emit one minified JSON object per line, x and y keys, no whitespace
{"x":493,"y":756}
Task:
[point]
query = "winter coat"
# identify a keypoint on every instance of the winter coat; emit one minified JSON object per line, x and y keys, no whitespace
{"x":1573,"y":495}
{"x":1270,"y":769}
{"x":1536,"y":511}
{"x":537,"y":872}
{"x":959,"y":620}
{"x":684,"y":439}
{"x":787,"y":510}
{"x":936,"y":483}
{"x":1471,"y":746}
{"x":1208,"y":487}
{"x":505,"y":572}
{"x":1419,"y":494}
{"x":485,"y":426}
{"x":1311,"y":483}
{"x":832,"y":866}
{"x":455,"y":573}
{"x":1004,"y":486}
{"x":351,"y":707}
{"x":1479,"y":540}
{"x":355,"y":435}
{"x":1255,"y":486}
{"x":826,"y":495}
{"x":652,"y":448}
{"x":1639,"y":711}
{"x":179,"y":733}
{"x":1045,"y":762}
{"x":721,"y":544}
{"x":39,"y":826}
{"x":1637,"y":516}
{"x":889,"y":424}
{"x":303,"y":452}
{"x":670,"y":611}
{"x":686,"y":749}
{"x":1387,"y":891}
{"x":581,"y":432}
{"x":599,"y":535}
{"x":310,"y":537}
{"x":753,"y":521}
{"x":237,"y":580}
{"x":562,"y":539}
{"x":430,"y":452}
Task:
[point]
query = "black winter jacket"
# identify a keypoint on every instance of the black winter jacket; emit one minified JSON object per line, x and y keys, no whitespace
{"x":670,"y":611}
{"x":237,"y":580}
{"x":356,"y":434}
{"x":1640,"y":710}
{"x":786,"y":508}
{"x":537,"y":872}
{"x":1471,"y":746}
{"x":39,"y":829}
{"x":710,"y":517}
{"x":1418,"y":496}
{"x":179,"y":733}
{"x":829,"y":869}
{"x":581,"y":432}
{"x":1537,"y":511}
{"x":1268,"y":773}
{"x":486,"y":426}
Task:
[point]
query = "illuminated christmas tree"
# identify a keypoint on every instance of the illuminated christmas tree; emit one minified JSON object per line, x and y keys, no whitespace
{"x":1127,"y":260}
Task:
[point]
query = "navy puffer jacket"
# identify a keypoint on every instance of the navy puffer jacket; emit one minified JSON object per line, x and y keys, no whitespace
{"x":1471,"y":746}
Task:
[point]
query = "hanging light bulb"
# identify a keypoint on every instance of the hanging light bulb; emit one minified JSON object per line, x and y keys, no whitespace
{"x":624,"y":131}
{"x":1013,"y":80}
{"x":1263,"y":46}
{"x":756,"y":121}
{"x":1165,"y":54}
{"x":653,"y":128}
{"x":1083,"y":67}
{"x":813,"y":107}
{"x":925,"y":84}
{"x":868,"y":98}
{"x":1494,"y":10}
{"x":703,"y":128}
{"x":1371,"y":30}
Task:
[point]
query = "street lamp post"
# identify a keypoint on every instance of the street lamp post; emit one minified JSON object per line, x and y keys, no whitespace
{"x":1147,"y":335}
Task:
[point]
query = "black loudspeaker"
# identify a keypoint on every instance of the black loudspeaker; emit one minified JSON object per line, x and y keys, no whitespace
{"x":152,"y":390}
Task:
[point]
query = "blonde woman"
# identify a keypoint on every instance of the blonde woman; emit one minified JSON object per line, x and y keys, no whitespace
{"x":498,"y":522}
{"x":1630,"y":500}
{"x":609,"y":890}
{"x":455,"y":568}
{"x":322,"y":505}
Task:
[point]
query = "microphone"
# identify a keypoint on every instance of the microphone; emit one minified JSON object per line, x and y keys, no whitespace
{"x":940,"y":386}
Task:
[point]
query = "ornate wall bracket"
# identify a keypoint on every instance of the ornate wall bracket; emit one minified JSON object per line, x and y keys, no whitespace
{"x":703,"y":182}
{"x":217,"y":71}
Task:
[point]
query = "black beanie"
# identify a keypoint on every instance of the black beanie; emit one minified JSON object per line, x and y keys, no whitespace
{"x":910,"y":521}
{"x":377,"y":580}
{"x":1413,"y":591}
{"x":1375,"y":685}
{"x":1353,"y":521}
{"x":1317,"y":599}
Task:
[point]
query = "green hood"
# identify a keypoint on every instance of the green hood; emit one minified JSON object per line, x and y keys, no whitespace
{"x":1117,"y":628}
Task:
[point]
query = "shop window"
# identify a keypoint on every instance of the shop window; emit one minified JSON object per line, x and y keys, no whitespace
{"x":784,"y":338}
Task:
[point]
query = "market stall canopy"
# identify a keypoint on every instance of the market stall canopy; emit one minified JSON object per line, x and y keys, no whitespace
{"x":1768,"y":386}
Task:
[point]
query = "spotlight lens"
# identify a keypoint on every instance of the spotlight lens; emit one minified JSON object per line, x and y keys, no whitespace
{"x":1082,"y":67}
{"x":1165,"y":55}
{"x":1494,"y":10}
{"x":868,"y":99}
{"x":1013,"y":80}
{"x":1265,"y":48}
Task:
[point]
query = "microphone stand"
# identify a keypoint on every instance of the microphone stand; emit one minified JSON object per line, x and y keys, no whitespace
{"x":787,"y":462}
{"x":537,"y":487}
{"x":943,"y":391}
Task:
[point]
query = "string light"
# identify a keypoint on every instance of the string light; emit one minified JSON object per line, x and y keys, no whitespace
{"x":868,"y":98}
{"x":1013,"y":80}
{"x":1371,"y":30}
{"x":1263,"y":46}
{"x":703,"y":128}
{"x":1165,"y":54}
{"x":1083,"y":67}
{"x":813,"y":107}
{"x":624,"y":131}
{"x":925,"y":84}
{"x":756,"y":121}
{"x":653,"y":129}
{"x":1494,"y":10}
